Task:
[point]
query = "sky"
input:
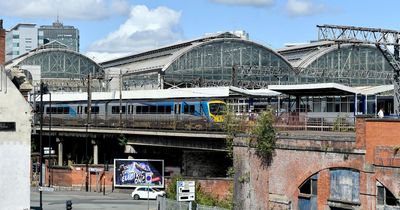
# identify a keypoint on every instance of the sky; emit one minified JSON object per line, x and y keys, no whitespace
{"x":115,"y":28}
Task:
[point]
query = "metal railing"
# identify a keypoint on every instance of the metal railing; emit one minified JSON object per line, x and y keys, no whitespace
{"x":315,"y":123}
{"x":283,"y":122}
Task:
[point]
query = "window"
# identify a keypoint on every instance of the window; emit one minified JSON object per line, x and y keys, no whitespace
{"x":310,"y":186}
{"x":160,"y":109}
{"x":94,"y":110}
{"x":7,"y":126}
{"x":188,"y":109}
{"x":385,"y":197}
{"x":345,"y":185}
{"x":153,"y":109}
{"x":57,"y":110}
{"x":308,"y":194}
{"x":115,"y":109}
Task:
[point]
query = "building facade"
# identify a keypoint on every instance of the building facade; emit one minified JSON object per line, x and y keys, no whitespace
{"x":22,"y":38}
{"x":68,"y":35}
{"x":15,"y":147}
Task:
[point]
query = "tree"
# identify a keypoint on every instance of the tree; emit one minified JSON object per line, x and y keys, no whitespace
{"x":263,"y":136}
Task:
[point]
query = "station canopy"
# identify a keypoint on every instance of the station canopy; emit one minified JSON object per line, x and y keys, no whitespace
{"x":165,"y":94}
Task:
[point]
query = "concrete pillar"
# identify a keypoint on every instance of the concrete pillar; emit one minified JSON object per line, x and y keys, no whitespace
{"x":95,"y":154}
{"x":60,"y":152}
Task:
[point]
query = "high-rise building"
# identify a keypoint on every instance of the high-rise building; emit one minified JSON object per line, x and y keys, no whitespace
{"x":67,"y":35}
{"x":21,"y":39}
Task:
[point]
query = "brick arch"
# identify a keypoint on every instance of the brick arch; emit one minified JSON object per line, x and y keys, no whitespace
{"x":305,"y":176}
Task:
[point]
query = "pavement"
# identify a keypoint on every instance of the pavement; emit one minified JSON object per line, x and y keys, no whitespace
{"x":90,"y":200}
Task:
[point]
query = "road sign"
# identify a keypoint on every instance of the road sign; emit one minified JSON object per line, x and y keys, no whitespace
{"x":46,"y":189}
{"x":185,"y":190}
{"x":149,"y":176}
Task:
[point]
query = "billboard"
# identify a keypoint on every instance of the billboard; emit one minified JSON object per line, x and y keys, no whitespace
{"x":139,"y":172}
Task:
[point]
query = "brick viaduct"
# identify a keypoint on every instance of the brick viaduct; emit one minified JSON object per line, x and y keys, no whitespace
{"x":323,"y":171}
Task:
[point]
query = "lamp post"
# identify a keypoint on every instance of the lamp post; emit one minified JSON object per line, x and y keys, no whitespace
{"x":40,"y":145}
{"x":50,"y":177}
{"x":89,"y":109}
{"x":43,"y":89}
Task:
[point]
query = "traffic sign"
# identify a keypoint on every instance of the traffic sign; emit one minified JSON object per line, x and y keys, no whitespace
{"x":46,"y":189}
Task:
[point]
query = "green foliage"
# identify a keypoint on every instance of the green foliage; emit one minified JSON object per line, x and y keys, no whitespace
{"x":171,"y":190}
{"x":340,"y":125}
{"x":230,"y":126}
{"x":33,"y":146}
{"x":230,"y":172}
{"x":122,"y":140}
{"x":245,"y":178}
{"x":202,"y":197}
{"x":264,"y":138}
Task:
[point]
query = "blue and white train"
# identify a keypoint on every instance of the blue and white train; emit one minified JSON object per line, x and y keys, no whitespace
{"x":162,"y":114}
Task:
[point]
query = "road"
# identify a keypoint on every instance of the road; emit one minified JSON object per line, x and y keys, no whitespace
{"x":90,"y":200}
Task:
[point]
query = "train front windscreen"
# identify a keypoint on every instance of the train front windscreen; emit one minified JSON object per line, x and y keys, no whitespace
{"x":217,"y":109}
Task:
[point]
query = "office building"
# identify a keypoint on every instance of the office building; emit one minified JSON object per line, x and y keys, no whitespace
{"x":67,"y":35}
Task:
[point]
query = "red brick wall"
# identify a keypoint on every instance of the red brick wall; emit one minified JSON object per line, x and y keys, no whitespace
{"x":75,"y":177}
{"x":382,"y":134}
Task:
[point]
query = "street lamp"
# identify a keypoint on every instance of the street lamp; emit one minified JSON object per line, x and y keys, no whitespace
{"x":43,"y":90}
{"x":50,"y":176}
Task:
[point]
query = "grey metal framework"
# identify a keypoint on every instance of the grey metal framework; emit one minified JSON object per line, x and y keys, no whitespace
{"x":61,"y":68}
{"x":382,"y":38}
{"x":227,"y":62}
{"x":354,"y":65}
{"x":59,"y":63}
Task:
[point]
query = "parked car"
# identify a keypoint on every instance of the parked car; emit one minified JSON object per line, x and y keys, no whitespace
{"x":143,"y":192}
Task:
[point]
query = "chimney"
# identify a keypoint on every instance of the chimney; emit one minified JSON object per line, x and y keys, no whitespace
{"x":2,"y":43}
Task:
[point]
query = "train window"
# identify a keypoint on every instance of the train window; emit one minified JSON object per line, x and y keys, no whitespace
{"x":48,"y":110}
{"x":54,"y":110}
{"x":145,"y":109}
{"x":153,"y":109}
{"x":60,"y":110}
{"x":160,"y":109}
{"x":94,"y":110}
{"x":188,"y":109}
{"x":168,"y":109}
{"x":65,"y":110}
{"x":138,"y":109}
{"x":115,"y":109}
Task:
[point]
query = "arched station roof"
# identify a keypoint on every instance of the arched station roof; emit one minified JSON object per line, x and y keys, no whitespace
{"x":214,"y":63}
{"x":350,"y":64}
{"x":209,"y":61}
{"x":58,"y":63}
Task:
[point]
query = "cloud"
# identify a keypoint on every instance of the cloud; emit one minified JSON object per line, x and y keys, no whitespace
{"x":66,"y":9}
{"x":303,"y":8}
{"x":144,"y":29}
{"x":254,"y":3}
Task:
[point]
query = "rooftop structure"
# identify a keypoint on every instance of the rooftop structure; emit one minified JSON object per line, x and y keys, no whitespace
{"x":67,"y":35}
{"x":22,"y":38}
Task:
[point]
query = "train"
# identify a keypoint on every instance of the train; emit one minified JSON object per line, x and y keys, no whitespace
{"x":186,"y":114}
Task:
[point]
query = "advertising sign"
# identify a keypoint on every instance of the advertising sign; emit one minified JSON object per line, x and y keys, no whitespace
{"x":139,"y":172}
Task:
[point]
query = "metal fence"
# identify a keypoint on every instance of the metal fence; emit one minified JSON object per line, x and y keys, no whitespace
{"x":164,"y":203}
{"x":319,"y":123}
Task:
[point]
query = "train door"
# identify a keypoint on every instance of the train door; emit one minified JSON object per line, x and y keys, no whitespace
{"x":177,"y":109}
